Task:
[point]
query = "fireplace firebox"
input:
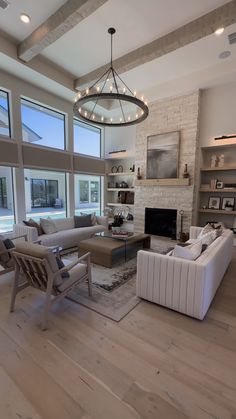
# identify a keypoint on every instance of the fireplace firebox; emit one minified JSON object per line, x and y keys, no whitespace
{"x":161,"y":222}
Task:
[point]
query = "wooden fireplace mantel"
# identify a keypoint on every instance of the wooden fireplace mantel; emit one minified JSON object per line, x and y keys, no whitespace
{"x":163,"y":182}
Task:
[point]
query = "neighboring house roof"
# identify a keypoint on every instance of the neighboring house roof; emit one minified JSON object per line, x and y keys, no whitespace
{"x":32,"y":135}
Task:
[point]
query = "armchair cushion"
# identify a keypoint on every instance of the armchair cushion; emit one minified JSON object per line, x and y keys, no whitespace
{"x":38,"y":251}
{"x":78,"y":271}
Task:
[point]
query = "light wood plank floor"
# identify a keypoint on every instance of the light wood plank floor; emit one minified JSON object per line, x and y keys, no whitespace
{"x":154,"y":364}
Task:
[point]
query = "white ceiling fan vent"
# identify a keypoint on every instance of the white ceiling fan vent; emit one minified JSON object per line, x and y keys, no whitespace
{"x":232,"y":38}
{"x":4,"y":4}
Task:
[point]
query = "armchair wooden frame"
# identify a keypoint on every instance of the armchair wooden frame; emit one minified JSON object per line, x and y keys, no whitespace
{"x":9,"y":252}
{"x":38,"y":274}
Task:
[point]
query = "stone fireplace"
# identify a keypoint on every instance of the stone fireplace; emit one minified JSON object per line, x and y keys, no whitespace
{"x":174,"y":114}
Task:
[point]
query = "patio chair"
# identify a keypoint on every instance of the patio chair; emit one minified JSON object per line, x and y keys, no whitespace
{"x":40,"y":267}
{"x":7,"y":245}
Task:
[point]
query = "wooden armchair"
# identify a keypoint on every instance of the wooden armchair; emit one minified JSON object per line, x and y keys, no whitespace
{"x":40,"y":268}
{"x":6,"y":260}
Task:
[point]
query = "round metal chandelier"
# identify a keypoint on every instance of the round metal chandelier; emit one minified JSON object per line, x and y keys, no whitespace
{"x":109,"y":101}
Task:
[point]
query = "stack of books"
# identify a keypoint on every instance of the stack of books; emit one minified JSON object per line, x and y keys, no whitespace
{"x":120,"y":234}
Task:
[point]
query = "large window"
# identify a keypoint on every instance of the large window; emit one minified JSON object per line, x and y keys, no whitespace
{"x":7,"y":217}
{"x":87,"y":139}
{"x":45,"y":194}
{"x":42,"y":126}
{"x":4,"y":114}
{"x":87,"y":194}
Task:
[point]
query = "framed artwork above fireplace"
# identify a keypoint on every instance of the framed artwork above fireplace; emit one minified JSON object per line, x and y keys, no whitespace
{"x":163,"y":155}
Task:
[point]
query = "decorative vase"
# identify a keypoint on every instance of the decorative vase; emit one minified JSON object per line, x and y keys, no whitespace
{"x":139,"y":174}
{"x":185,"y":173}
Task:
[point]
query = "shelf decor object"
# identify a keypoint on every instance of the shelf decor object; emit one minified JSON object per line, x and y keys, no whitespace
{"x":109,"y":101}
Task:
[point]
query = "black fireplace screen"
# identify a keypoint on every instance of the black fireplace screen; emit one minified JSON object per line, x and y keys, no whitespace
{"x":161,"y":222}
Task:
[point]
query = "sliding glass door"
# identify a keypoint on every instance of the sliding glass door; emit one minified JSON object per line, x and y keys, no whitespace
{"x":44,"y":193}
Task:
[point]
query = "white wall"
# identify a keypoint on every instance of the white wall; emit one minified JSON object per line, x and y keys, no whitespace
{"x":120,"y":138}
{"x":217,"y":113}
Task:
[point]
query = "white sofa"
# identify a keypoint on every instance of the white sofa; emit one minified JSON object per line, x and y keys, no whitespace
{"x":183,"y":285}
{"x":67,"y":235}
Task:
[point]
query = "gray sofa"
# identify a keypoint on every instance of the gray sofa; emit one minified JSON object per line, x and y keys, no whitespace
{"x":67,"y":235}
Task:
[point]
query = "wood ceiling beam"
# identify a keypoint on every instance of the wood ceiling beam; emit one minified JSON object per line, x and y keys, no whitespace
{"x":62,"y":21}
{"x":191,"y":32}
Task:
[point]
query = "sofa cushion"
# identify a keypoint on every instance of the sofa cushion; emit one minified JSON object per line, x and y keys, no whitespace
{"x":48,"y":225}
{"x":70,"y":238}
{"x":64,"y":223}
{"x":32,"y":223}
{"x":83,"y":220}
{"x":190,"y":252}
{"x":207,"y":229}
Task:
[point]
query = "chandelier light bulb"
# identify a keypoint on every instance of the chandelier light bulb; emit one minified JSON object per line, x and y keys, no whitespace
{"x":93,"y":116}
{"x":135,"y":93}
{"x":128,"y":118}
{"x":124,"y":89}
{"x":98,"y":88}
{"x":87,"y":91}
{"x":102,"y":118}
{"x":142,"y":98}
{"x":145,"y":103}
{"x":85,"y":113}
{"x":136,"y":115}
{"x":110,"y":88}
{"x":120,"y":119}
{"x":142,"y":112}
{"x":79,"y":110}
{"x":79,"y":95}
{"x":111,"y":119}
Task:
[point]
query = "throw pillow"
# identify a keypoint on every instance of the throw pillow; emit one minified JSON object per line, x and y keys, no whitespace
{"x":8,"y":244}
{"x":93,"y":217}
{"x":207,"y":229}
{"x":32,"y":223}
{"x":48,"y":225}
{"x":61,"y":265}
{"x":83,"y":221}
{"x":209,"y":237}
{"x":190,"y":252}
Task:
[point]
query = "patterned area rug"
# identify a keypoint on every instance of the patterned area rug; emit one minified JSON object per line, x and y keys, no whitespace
{"x":113,"y":289}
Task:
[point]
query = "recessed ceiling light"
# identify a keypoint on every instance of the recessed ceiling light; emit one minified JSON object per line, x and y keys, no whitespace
{"x":219,"y":31}
{"x":25,"y":18}
{"x":224,"y":54}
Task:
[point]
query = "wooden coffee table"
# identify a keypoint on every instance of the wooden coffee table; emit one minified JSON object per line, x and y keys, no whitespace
{"x":106,"y":250}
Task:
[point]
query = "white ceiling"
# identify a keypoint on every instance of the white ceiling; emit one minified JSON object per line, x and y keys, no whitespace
{"x":39,"y":10}
{"x":87,"y":46}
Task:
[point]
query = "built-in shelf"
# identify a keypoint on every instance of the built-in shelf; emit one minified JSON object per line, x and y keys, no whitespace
{"x":215,"y":211}
{"x":163,"y":182}
{"x":220,"y":145}
{"x":121,"y":174}
{"x":120,"y":189}
{"x":233,"y":190}
{"x":216,"y":169}
{"x":119,"y":156}
{"x":113,"y":204}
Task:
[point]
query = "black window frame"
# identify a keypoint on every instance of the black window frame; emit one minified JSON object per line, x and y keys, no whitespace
{"x":100,"y":135}
{"x":8,"y":113}
{"x":22,"y":98}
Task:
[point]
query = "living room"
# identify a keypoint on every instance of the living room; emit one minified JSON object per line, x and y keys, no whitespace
{"x":117,"y":192}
